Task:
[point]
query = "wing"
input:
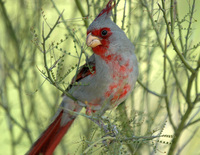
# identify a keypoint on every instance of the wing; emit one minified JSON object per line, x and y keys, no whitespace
{"x":87,"y":69}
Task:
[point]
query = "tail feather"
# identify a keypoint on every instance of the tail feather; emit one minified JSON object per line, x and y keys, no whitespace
{"x":51,"y":137}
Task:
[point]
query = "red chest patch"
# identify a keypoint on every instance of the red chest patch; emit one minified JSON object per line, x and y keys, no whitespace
{"x":121,"y":70}
{"x":117,"y":91}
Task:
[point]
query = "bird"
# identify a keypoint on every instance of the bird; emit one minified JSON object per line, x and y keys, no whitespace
{"x":106,"y":79}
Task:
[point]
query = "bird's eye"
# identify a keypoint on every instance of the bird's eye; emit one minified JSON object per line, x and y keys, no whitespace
{"x":104,"y":32}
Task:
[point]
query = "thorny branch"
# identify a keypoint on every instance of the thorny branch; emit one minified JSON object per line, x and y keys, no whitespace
{"x":48,"y":70}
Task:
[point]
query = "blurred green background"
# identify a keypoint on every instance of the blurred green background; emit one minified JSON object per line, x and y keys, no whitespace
{"x":28,"y":101}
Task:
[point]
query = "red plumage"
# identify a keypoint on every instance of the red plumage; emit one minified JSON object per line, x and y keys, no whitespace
{"x":51,"y":137}
{"x":108,"y":77}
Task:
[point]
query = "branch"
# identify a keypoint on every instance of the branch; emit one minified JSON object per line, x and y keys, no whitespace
{"x":166,"y":87}
{"x":109,"y":138}
{"x":178,"y":52}
{"x":81,"y":10}
{"x":152,"y":92}
{"x":49,"y":76}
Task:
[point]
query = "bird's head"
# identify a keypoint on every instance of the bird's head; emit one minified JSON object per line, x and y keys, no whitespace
{"x":103,"y":32}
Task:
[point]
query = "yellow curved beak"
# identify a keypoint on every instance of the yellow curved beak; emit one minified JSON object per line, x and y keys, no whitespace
{"x":92,"y":41}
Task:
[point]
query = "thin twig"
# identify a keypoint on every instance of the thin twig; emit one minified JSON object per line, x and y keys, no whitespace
{"x":167,"y":103}
{"x":184,"y":61}
{"x":152,"y":92}
{"x":189,"y":29}
{"x":49,"y":76}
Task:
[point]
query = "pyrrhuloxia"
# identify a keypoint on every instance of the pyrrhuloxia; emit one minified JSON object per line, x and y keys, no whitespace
{"x":110,"y":78}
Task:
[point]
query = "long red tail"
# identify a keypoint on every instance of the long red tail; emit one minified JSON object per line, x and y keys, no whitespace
{"x":50,"y":138}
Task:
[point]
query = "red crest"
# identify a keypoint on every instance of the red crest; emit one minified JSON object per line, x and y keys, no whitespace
{"x":108,"y":8}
